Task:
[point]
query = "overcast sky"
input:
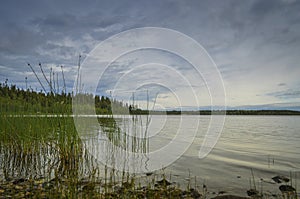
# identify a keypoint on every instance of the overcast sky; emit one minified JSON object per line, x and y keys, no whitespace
{"x":254,"y":44}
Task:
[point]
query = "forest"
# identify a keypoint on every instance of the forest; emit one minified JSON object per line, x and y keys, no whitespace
{"x":14,"y":100}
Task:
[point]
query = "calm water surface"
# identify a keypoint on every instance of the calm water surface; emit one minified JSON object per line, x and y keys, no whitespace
{"x":269,"y":145}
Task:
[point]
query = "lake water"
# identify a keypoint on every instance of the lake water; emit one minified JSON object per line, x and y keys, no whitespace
{"x":267,"y":145}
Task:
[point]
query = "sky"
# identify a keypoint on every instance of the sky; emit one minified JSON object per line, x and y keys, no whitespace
{"x":254,"y":44}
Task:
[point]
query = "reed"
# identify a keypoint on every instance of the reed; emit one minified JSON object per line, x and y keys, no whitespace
{"x":44,"y":157}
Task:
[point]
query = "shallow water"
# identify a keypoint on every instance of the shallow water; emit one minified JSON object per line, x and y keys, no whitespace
{"x":263,"y":145}
{"x":267,"y":145}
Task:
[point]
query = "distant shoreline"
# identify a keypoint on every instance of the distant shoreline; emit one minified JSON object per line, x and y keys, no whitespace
{"x":174,"y":112}
{"x":220,"y":112}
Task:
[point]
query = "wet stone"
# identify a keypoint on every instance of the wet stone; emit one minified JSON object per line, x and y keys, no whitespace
{"x":195,"y":194}
{"x":252,"y":192}
{"x":287,"y":189}
{"x":163,"y":182}
{"x":149,"y":174}
{"x":18,"y":181}
{"x":280,"y":179}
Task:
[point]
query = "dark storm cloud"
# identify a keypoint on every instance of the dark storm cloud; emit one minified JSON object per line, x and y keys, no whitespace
{"x":248,"y":40}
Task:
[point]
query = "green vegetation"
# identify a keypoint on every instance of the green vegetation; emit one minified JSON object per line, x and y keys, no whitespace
{"x":18,"y":101}
{"x":43,"y":157}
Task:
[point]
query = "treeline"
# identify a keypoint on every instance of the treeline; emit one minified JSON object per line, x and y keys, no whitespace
{"x":14,"y":100}
{"x":262,"y":112}
{"x":250,"y":112}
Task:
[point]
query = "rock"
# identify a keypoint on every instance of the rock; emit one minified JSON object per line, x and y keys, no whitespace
{"x":88,"y":187}
{"x":280,"y":179}
{"x":287,"y":189}
{"x":18,"y":181}
{"x":252,"y":192}
{"x":195,"y":194}
{"x":47,"y":185}
{"x":163,"y":182}
{"x":118,"y":189}
{"x":149,"y":174}
{"x":127,"y":185}
{"x":267,"y":181}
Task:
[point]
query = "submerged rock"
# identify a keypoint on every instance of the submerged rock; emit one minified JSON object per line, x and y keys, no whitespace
{"x":163,"y":182}
{"x":127,"y":185}
{"x":267,"y":181}
{"x":149,"y":174}
{"x":287,"y":189}
{"x":280,"y":179}
{"x":252,"y":192}
{"x":19,"y":180}
{"x":194,"y":193}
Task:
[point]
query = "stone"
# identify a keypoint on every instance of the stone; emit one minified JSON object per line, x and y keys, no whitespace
{"x":280,"y":179}
{"x":287,"y":189}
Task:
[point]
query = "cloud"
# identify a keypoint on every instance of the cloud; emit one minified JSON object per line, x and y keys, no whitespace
{"x":255,"y":44}
{"x":282,"y":84}
{"x":286,"y":94}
